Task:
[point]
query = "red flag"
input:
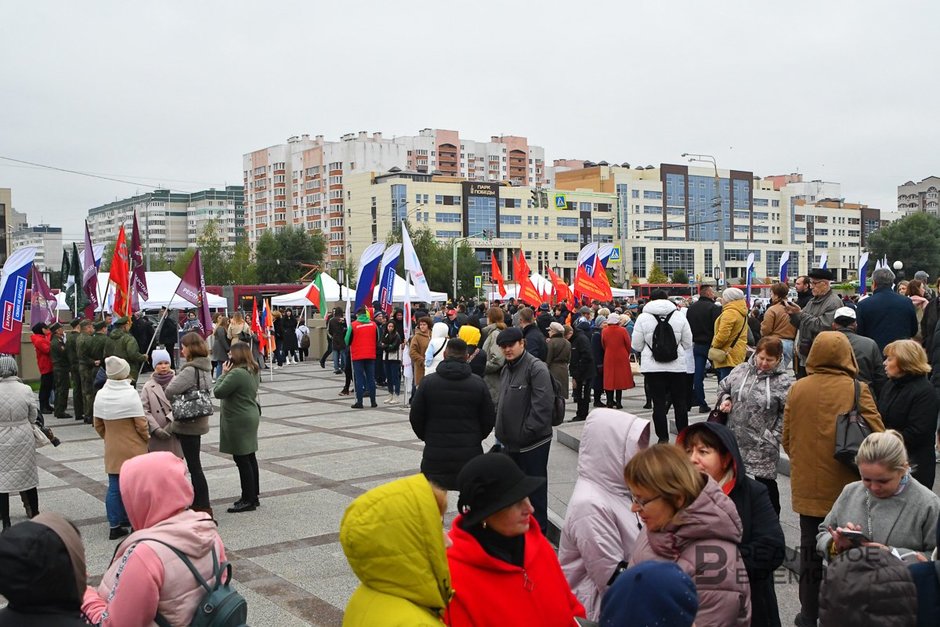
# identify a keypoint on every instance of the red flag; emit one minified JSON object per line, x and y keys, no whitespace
{"x":591,"y":287}
{"x":192,"y":288}
{"x":561,"y":288}
{"x":120,"y":276}
{"x":256,"y":326}
{"x":521,"y":273}
{"x":139,"y":277}
{"x":497,"y":275}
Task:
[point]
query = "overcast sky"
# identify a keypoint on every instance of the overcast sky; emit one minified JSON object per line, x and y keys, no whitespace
{"x":173,"y":93}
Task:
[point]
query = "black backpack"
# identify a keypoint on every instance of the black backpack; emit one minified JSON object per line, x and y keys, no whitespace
{"x":558,"y":401}
{"x":664,"y":346}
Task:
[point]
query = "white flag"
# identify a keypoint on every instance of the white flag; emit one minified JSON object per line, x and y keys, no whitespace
{"x":413,"y":265}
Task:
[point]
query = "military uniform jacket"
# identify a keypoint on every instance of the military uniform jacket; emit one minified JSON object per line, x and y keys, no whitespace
{"x":60,"y":360}
{"x":71,"y":348}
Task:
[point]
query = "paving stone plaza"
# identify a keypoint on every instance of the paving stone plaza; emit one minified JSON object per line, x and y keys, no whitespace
{"x":315,"y":456}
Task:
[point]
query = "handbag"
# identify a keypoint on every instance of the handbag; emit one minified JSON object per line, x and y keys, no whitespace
{"x":39,"y":437}
{"x":716,"y":354}
{"x":635,"y":365}
{"x":192,"y":404}
{"x":716,"y":415}
{"x":851,"y":430}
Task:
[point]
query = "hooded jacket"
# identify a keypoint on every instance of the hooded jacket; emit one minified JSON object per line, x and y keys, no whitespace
{"x":495,"y":360}
{"x":146,"y":577}
{"x":867,"y":587}
{"x":809,"y":424}
{"x":600,"y":530}
{"x":762,"y":543}
{"x":643,"y":336}
{"x":703,"y":540}
{"x":731,"y":334}
{"x":43,"y":570}
{"x":452,"y":412}
{"x":490,"y":591}
{"x":434,"y":354}
{"x":394,"y":542}
{"x":42,"y":344}
{"x":756,"y":419}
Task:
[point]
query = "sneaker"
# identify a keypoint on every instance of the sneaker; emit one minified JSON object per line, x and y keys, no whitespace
{"x":388,"y":400}
{"x":117,"y":532}
{"x":392,"y":400}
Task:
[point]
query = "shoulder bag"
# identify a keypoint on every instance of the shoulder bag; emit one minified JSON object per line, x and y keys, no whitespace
{"x":717,"y":354}
{"x":851,"y":430}
{"x":192,"y":404}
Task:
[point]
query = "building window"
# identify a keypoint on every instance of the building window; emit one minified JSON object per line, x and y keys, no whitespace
{"x":639,"y":260}
{"x":452,"y":218}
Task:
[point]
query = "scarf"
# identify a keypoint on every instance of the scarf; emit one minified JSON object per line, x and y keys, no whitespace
{"x":509,"y":550}
{"x":117,"y":400}
{"x":163,"y":379}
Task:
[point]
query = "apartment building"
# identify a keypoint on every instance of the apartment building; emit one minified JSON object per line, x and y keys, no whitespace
{"x":923,"y":197}
{"x":48,"y":243}
{"x":301,"y":183}
{"x":169,"y":221}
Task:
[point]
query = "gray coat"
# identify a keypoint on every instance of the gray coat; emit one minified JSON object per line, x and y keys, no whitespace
{"x":198,"y":371}
{"x":871,"y":367}
{"x":756,"y":419}
{"x":221,"y":345}
{"x":526,"y":400}
{"x":815,"y":318}
{"x":18,"y":411}
{"x":159,"y":414}
{"x":494,"y":364}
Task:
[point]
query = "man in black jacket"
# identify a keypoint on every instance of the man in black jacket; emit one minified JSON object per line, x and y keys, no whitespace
{"x":534,"y":339}
{"x":582,"y":369}
{"x":544,"y":319}
{"x":168,"y":333}
{"x":452,"y":412}
{"x":701,"y":316}
{"x":804,"y":292}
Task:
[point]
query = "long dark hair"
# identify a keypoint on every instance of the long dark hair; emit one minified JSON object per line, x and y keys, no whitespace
{"x":240,"y":354}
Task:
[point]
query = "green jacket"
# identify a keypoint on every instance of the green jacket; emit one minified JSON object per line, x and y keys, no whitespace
{"x":60,"y":358}
{"x":91,"y":349}
{"x":394,"y":542}
{"x":122,"y":344}
{"x":71,"y":348}
{"x":240,"y":414}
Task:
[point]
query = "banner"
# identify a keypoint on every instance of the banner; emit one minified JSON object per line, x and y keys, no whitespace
{"x":256,"y":327}
{"x":784,"y":265}
{"x":497,"y":275}
{"x":863,"y":272}
{"x":368,"y":269}
{"x":65,"y":271}
{"x":750,"y":273}
{"x":13,"y":298}
{"x":138,"y":271}
{"x":89,"y":272}
{"x":604,"y":251}
{"x":120,"y":276}
{"x":192,"y":287}
{"x":42,"y":306}
{"x":413,"y":266}
{"x":317,"y":295}
{"x":387,"y":280}
{"x":521,"y":273}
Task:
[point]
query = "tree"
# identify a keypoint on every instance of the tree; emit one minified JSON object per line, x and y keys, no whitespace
{"x":159,"y":262}
{"x":181,"y":263}
{"x":914,"y":240}
{"x":279,"y":255}
{"x":657,"y":275}
{"x":106,"y":257}
{"x":242,"y":270}
{"x":437,"y":261}
{"x":679,"y":276}
{"x":216,"y":268}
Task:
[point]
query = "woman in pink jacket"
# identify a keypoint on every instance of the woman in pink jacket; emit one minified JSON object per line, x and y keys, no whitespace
{"x":147,"y":577}
{"x":688,"y":520}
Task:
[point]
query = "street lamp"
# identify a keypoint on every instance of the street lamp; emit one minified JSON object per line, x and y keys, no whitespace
{"x":898,"y":272}
{"x":716,"y":204}
{"x":456,"y":241}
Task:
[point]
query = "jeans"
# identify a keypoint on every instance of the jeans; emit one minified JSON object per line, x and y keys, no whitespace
{"x":339,"y":360}
{"x":787,"y":352}
{"x":113,"y":503}
{"x":700,"y":352}
{"x":248,"y":476}
{"x":534,"y":463}
{"x":217,"y":371}
{"x":723,"y":372}
{"x":191,"y":449}
{"x":811,"y":567}
{"x":661,"y":385}
{"x":364,"y":371}
{"x":393,"y":376}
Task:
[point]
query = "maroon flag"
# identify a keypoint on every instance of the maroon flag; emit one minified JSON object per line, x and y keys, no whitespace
{"x":89,"y":271}
{"x":138,"y":275}
{"x":43,"y":302}
{"x":192,"y":288}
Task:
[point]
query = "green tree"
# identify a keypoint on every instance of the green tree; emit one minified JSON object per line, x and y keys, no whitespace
{"x":437,"y":261}
{"x":159,"y":262}
{"x":212,"y":252}
{"x":679,"y":276}
{"x":657,"y":275}
{"x":279,"y":255}
{"x":241,"y":268}
{"x":106,"y":256}
{"x":181,"y":263}
{"x":914,"y":240}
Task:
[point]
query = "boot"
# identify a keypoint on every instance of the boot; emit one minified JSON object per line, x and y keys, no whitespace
{"x":26,"y":506}
{"x":5,"y":523}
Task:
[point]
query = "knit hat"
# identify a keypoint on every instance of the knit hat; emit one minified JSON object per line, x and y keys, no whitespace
{"x":650,"y":593}
{"x":732,"y":293}
{"x":160,"y":356}
{"x":116,"y":368}
{"x":557,"y":327}
{"x":8,"y":366}
{"x":613,"y":319}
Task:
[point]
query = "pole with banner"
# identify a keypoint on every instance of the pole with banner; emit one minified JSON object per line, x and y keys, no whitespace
{"x":406,"y":365}
{"x":13,"y":298}
{"x":863,"y":273}
{"x":749,"y":272}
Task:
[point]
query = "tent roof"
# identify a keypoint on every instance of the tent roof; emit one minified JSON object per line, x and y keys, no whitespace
{"x":161,"y":286}
{"x":398,"y":292}
{"x":334,"y":292}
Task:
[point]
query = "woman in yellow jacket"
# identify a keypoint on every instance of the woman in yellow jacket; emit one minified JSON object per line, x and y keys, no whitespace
{"x":729,"y":344}
{"x":393,"y":538}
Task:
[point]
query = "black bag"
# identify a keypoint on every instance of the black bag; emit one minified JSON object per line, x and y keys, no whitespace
{"x":558,"y":406}
{"x":664,"y":346}
{"x":245,"y":337}
{"x":192,"y":404}
{"x":716,"y":415}
{"x":851,"y":430}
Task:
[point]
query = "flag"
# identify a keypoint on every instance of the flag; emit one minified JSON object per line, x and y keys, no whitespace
{"x":824,"y":261}
{"x":750,"y":273}
{"x":884,"y":261}
{"x":784,"y":264}
{"x":256,"y":325}
{"x":604,"y":251}
{"x":316,"y":294}
{"x":89,"y":272}
{"x":587,"y":286}
{"x":120,"y":276}
{"x":64,"y":272}
{"x":561,"y":288}
{"x":413,"y":266}
{"x":497,"y":275}
{"x":13,"y":298}
{"x":365,"y":279}
{"x":138,"y":271}
{"x":586,"y":260}
{"x":192,"y":288}
{"x":74,"y":290}
{"x":406,"y":323}
{"x":863,"y":272}
{"x":42,"y":306}
{"x":387,"y":277}
{"x":521,"y":273}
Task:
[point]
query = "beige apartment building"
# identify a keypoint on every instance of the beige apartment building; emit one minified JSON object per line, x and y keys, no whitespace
{"x":922,"y":197}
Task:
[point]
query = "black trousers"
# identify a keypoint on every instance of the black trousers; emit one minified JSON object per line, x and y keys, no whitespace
{"x":326,"y":354}
{"x":248,"y":476}
{"x":191,"y":451}
{"x":582,"y":397}
{"x":671,"y":385}
{"x":598,"y":386}
{"x":614,"y":398}
{"x":30,"y":497}
{"x":534,"y":463}
{"x":46,"y":385}
{"x":774,"y":492}
{"x":811,"y":567}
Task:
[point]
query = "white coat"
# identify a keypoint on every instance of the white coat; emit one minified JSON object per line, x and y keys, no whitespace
{"x":19,"y":408}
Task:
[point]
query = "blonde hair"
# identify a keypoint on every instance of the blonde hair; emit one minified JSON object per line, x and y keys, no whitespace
{"x":885,"y":448}
{"x":603,"y":312}
{"x":666,"y":470}
{"x":910,"y":355}
{"x":238,"y":317}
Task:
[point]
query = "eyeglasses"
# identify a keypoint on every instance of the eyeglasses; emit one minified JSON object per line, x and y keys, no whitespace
{"x":642,"y":503}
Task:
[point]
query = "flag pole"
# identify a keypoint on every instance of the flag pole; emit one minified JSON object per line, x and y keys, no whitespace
{"x":156,"y":334}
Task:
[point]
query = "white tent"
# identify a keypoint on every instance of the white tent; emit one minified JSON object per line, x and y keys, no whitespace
{"x":161,"y":286}
{"x":334,"y":292}
{"x":398,"y":292}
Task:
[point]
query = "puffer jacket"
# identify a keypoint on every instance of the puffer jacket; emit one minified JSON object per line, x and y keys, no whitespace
{"x":809,"y":424}
{"x":643,"y":336}
{"x":708,"y":529}
{"x":42,"y":344}
{"x":19,"y":410}
{"x":147,"y":577}
{"x":756,"y":419}
{"x":867,"y":587}
{"x":392,"y":538}
{"x":194,"y":373}
{"x":600,"y":529}
{"x":731,"y":326}
{"x":434,"y":354}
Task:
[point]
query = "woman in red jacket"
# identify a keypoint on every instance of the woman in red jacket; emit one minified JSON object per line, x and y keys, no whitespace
{"x":503,"y":570}
{"x":618,"y":376}
{"x":42,"y":342}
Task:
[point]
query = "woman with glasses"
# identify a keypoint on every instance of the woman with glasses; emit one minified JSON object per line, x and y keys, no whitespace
{"x":688,"y":520}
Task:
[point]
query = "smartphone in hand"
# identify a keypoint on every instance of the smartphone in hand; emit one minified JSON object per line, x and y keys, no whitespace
{"x":857,"y":538}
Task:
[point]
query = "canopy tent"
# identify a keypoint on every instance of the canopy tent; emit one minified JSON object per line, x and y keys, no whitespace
{"x":398,"y":293}
{"x":161,"y":286}
{"x":333,"y":291}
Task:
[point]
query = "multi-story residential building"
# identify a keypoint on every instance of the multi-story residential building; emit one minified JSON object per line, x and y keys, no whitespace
{"x":48,"y":243}
{"x":301,"y":183}
{"x":923,"y":197}
{"x":171,"y":221}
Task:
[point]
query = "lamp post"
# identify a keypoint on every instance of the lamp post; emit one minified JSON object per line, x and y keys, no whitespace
{"x":898,"y":273}
{"x":454,"y":244}
{"x":716,"y":204}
